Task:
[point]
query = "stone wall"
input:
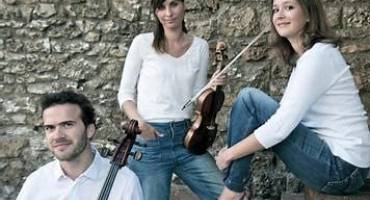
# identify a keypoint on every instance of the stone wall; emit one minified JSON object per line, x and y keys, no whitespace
{"x":49,"y":45}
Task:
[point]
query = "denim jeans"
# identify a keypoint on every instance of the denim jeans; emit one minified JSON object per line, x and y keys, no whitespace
{"x":306,"y":155}
{"x":167,"y":155}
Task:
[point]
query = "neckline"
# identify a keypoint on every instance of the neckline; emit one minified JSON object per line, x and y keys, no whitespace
{"x":185,"y":53}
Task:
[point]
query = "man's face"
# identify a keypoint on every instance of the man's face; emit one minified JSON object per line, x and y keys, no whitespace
{"x":66,"y":135}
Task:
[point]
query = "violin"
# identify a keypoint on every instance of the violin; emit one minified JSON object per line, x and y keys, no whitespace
{"x":202,"y":133}
{"x":120,"y":156}
{"x":224,"y":70}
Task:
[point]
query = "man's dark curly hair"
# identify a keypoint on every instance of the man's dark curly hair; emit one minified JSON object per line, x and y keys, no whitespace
{"x":70,"y":97}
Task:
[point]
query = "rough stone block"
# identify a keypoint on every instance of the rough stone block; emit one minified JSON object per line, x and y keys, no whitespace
{"x":363,"y":194}
{"x":182,"y":192}
{"x":11,"y":147}
{"x":292,"y":196}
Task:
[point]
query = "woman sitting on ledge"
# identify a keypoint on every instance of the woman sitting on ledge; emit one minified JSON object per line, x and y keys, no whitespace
{"x":319,"y":129}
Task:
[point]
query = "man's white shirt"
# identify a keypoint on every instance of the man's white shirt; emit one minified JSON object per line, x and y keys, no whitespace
{"x":50,"y":183}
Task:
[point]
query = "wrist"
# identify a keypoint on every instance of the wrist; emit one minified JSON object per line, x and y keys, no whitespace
{"x":229,"y":155}
{"x":141,"y":123}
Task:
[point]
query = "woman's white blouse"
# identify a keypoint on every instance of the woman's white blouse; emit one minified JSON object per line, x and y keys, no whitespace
{"x":321,"y":94}
{"x":160,"y":84}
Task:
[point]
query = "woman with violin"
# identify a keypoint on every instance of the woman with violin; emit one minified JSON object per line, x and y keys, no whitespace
{"x":162,"y":70}
{"x":319,"y":129}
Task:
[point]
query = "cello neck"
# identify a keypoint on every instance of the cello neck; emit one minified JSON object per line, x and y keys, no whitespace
{"x":104,"y":194}
{"x":120,"y":157}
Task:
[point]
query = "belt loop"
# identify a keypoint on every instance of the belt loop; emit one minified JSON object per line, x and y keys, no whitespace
{"x":187,"y":123}
{"x":172,"y":131}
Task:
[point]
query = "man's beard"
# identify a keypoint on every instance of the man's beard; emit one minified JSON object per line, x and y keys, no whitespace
{"x":78,"y":148}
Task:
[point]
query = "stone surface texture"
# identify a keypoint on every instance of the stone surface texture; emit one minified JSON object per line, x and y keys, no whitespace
{"x":50,"y":45}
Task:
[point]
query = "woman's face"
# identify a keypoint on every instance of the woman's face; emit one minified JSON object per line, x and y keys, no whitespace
{"x":171,"y":14}
{"x":288,"y":18}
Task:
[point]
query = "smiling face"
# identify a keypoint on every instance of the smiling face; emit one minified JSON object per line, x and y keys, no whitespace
{"x":289,"y":19}
{"x":171,"y":14}
{"x":66,"y":135}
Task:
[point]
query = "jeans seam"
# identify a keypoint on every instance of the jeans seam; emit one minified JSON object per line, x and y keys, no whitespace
{"x":311,"y":156}
{"x":245,"y":103}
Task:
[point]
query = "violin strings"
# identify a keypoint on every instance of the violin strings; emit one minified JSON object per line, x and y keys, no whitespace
{"x":225,"y":68}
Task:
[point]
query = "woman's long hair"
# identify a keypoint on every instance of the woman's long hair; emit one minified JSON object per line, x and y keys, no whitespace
{"x":159,"y":42}
{"x":317,"y":29}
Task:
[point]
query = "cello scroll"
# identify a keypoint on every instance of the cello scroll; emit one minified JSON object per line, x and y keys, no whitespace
{"x":120,"y":156}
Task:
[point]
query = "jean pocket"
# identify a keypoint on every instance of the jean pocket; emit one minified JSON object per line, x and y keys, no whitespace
{"x":348,"y":185}
{"x":148,"y":153}
{"x":143,"y":142}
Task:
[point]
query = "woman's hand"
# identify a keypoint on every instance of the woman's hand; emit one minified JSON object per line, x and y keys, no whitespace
{"x":222,"y":159}
{"x":147,"y":131}
{"x":220,"y":80}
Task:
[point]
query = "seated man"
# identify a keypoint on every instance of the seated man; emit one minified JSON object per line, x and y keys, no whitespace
{"x":78,"y":171}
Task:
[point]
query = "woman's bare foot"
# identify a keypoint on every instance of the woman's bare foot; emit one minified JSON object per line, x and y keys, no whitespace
{"x":231,"y":195}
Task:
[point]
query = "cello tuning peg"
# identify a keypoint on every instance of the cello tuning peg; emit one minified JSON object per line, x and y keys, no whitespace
{"x":124,"y":125}
{"x":137,"y":155}
{"x":115,"y":141}
{"x":105,"y":152}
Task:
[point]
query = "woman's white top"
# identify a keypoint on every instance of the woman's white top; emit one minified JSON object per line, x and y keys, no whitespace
{"x":161,"y":84}
{"x":321,"y":94}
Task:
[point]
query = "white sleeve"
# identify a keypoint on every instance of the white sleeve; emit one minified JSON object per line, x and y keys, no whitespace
{"x":130,"y":73}
{"x":314,"y":74}
{"x":201,"y":78}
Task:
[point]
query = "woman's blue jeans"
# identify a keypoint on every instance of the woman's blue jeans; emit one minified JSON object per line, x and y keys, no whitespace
{"x":167,"y":155}
{"x":306,"y":155}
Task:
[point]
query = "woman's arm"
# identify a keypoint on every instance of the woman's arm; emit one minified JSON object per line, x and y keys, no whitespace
{"x":130,"y":109}
{"x":127,"y":91}
{"x":130,"y":73}
{"x":313,"y":76}
{"x":245,"y":147}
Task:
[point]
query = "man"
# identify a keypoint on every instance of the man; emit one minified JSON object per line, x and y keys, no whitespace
{"x":78,"y":171}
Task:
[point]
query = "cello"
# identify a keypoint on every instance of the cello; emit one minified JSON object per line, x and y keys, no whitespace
{"x":120,"y":156}
{"x":202,"y":133}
